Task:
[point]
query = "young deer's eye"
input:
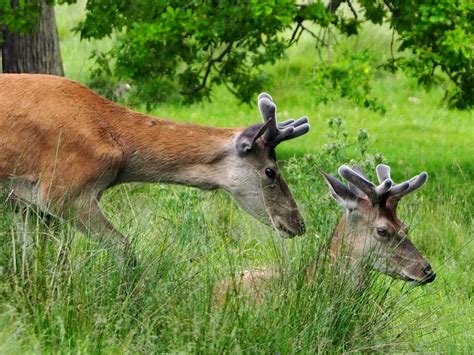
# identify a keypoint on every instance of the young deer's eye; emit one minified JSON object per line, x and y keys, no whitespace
{"x":382,"y":231}
{"x":271,"y":173}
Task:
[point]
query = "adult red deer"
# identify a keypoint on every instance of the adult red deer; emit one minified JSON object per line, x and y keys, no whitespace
{"x":62,"y":146}
{"x":369,"y":231}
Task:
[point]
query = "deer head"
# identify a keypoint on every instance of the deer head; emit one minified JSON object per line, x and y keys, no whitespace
{"x":371,"y":228}
{"x":256,"y":182}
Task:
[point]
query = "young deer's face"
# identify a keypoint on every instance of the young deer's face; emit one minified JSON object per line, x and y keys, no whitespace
{"x":375,"y":232}
{"x":371,"y":229}
{"x":258,"y":186}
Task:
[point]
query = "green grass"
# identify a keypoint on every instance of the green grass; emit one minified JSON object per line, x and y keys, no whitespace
{"x":59,"y":292}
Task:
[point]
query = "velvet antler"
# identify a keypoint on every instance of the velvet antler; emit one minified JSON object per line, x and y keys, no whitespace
{"x":279,"y":132}
{"x":360,"y":185}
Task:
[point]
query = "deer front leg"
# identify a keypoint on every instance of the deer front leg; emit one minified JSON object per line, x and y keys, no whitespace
{"x":90,"y":220}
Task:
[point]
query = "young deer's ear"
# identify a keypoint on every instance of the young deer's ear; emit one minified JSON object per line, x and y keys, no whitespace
{"x":340,"y":192}
{"x":246,"y":140}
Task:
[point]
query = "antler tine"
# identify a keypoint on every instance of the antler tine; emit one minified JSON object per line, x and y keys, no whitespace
{"x":285,"y":123}
{"x":398,"y":189}
{"x":295,"y":123}
{"x":278,"y":132}
{"x":268,"y":111}
{"x":359,"y":184}
{"x":417,"y":182}
{"x":359,"y":171}
{"x":264,"y":95}
{"x":383,"y":172}
{"x":300,"y":127}
{"x":354,"y":188}
{"x":359,"y":181}
{"x":383,"y":188}
{"x":410,"y":185}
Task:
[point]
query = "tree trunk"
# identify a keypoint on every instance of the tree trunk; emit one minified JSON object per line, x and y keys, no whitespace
{"x":35,"y":52}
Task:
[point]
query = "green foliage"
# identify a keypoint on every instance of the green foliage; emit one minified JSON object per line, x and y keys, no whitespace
{"x":350,"y":77}
{"x":187,"y":48}
{"x":22,"y":16}
{"x":317,"y":13}
{"x":190,"y":47}
{"x":439,"y":35}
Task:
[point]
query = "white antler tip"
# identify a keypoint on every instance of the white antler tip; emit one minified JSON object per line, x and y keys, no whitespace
{"x":344,"y":170}
{"x":264,"y":95}
{"x":265,"y":102}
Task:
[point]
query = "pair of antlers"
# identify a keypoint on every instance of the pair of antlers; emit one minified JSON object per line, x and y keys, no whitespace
{"x":363,"y":188}
{"x":277,"y":132}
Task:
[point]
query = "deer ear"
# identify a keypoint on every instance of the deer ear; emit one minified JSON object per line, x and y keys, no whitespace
{"x":340,"y":192}
{"x":246,"y":139}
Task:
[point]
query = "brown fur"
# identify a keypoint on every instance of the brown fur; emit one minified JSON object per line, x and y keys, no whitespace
{"x":357,"y":232}
{"x":62,"y":146}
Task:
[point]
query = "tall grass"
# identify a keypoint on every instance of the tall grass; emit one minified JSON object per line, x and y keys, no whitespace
{"x":60,"y":292}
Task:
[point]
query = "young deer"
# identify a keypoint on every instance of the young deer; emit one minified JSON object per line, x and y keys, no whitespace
{"x":370,"y":226}
{"x":62,"y":146}
{"x":369,"y":230}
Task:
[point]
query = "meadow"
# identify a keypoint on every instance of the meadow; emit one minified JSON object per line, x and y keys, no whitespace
{"x":60,"y":292}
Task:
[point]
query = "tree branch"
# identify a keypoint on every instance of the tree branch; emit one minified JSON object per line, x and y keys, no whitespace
{"x":210,"y":64}
{"x":293,"y":35}
{"x":354,"y":12}
{"x":333,"y":5}
{"x":232,"y":91}
{"x":314,"y":35}
{"x":392,"y":41}
{"x":389,"y":5}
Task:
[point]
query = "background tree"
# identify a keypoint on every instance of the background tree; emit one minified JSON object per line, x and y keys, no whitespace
{"x":440,"y":36}
{"x":29,"y":38}
{"x":187,"y":47}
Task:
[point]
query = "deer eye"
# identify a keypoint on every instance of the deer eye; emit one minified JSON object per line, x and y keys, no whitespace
{"x":382,"y":231}
{"x":271,"y":173}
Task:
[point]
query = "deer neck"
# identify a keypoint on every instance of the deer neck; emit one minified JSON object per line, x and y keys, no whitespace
{"x":158,"y":150}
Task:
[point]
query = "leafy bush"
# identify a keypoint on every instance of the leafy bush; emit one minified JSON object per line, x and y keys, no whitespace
{"x":190,"y":47}
{"x":348,"y":77}
{"x":439,"y":35}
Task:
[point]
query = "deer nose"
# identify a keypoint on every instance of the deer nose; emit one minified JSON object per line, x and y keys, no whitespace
{"x":429,"y":274}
